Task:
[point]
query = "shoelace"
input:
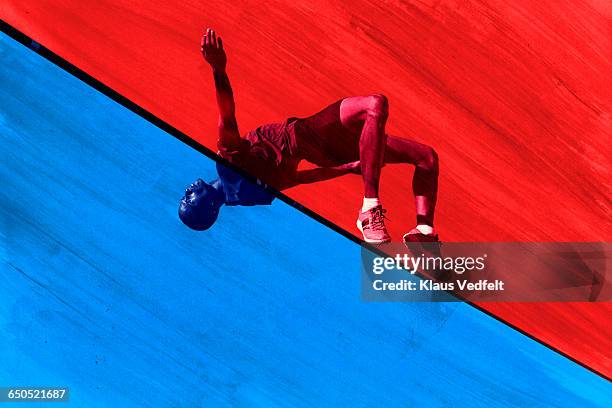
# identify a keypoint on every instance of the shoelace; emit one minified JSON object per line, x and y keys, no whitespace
{"x":378,"y":217}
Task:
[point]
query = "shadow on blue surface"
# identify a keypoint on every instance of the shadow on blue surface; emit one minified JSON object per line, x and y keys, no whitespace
{"x":104,"y":290}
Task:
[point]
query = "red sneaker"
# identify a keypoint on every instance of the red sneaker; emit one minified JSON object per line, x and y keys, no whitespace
{"x":415,"y":235}
{"x":427,"y":245}
{"x":371,"y":223}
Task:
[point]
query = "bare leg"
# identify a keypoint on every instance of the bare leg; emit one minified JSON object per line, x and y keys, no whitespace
{"x":425,"y":179}
{"x":368,"y":114}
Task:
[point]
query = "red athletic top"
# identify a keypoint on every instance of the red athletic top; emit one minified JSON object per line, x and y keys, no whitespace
{"x":267,"y":153}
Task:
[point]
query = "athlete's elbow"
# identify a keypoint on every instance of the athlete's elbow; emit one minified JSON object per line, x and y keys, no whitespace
{"x":227,"y":125}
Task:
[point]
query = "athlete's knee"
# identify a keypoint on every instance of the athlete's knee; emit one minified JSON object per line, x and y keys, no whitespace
{"x":377,"y":106}
{"x":430,"y":160}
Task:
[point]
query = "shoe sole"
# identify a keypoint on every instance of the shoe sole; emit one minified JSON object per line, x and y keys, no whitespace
{"x":371,"y":241}
{"x":416,"y":242}
{"x":425,"y":246}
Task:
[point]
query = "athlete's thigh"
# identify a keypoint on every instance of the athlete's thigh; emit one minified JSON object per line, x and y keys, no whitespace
{"x":352,"y":112}
{"x":402,"y":150}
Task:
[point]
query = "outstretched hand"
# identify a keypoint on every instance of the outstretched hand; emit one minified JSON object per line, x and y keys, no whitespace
{"x":353,"y":167}
{"x":212,"y":50}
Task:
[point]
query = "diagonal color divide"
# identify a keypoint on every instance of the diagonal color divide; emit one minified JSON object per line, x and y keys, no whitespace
{"x":148,"y":42}
{"x":108,"y":294}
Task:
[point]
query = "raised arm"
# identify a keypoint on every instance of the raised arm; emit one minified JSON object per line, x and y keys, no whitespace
{"x":214,"y":54}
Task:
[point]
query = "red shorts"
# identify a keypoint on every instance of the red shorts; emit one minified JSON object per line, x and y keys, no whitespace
{"x":272,"y":151}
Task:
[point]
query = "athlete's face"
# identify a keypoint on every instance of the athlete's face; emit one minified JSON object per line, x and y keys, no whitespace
{"x":200,"y":194}
{"x":200,"y":205}
{"x":195,"y":194}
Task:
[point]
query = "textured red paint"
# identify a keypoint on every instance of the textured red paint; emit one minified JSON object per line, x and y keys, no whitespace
{"x":514,"y":96}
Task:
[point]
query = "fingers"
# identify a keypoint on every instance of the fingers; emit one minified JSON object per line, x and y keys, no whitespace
{"x":210,"y":41}
{"x":213,"y":38}
{"x":204,"y":42}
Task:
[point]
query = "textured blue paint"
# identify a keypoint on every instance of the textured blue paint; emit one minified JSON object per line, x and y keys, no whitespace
{"x":104,"y":291}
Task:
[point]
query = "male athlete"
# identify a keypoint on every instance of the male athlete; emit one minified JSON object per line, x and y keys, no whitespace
{"x":347,"y":136}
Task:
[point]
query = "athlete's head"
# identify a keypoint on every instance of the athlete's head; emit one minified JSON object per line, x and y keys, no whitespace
{"x":199,"y":207}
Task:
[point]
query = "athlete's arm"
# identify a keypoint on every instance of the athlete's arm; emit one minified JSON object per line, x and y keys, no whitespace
{"x":214,"y":54}
{"x":326,"y":173}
